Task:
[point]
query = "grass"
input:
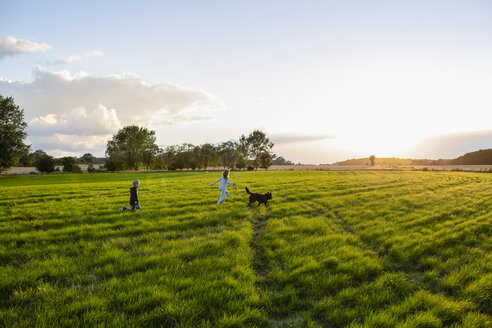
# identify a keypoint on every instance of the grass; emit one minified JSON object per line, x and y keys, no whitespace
{"x":334,"y":249}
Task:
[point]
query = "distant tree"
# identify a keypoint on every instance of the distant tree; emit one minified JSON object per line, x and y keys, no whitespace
{"x":240,"y":161}
{"x":266,"y":159}
{"x":372,"y":158}
{"x":170,"y":156}
{"x":208,"y":155}
{"x":90,"y":168}
{"x":228,"y":153}
{"x":115,"y":163}
{"x":158,"y":163}
{"x":259,"y":146}
{"x":186,"y":154}
{"x":197,"y":158}
{"x":70,"y":164}
{"x":243,"y":147}
{"x":12,"y":126}
{"x":88,"y":158}
{"x":27,"y":158}
{"x":150,"y":150}
{"x":133,"y":146}
{"x":45,"y":163}
{"x":179,"y":162}
{"x":282,"y":161}
{"x":37,"y":155}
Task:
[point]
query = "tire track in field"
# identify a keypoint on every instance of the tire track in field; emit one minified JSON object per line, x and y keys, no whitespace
{"x":267,"y":289}
{"x":412,"y":271}
{"x":260,"y":262}
{"x":261,"y":268}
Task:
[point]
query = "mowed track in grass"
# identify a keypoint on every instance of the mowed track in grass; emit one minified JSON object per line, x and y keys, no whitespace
{"x":335,"y":249}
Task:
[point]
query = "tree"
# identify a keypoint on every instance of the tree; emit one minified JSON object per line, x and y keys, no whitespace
{"x":37,"y":155}
{"x":158,"y":163}
{"x":240,"y":162}
{"x":197,"y":158}
{"x":150,"y":150}
{"x":208,"y":155}
{"x":45,"y":163}
{"x":170,"y":157}
{"x":372,"y":158}
{"x":266,"y":159}
{"x":88,"y":158}
{"x":26,"y":159}
{"x":281,"y":161}
{"x":243,"y":147}
{"x":70,"y":164}
{"x":228,"y":153}
{"x":259,"y":147}
{"x":186,"y":154}
{"x":115,"y":164}
{"x":12,"y":126}
{"x":132,"y":146}
{"x":30,"y":159}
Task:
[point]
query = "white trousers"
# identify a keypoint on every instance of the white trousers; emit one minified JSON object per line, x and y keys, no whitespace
{"x":224,"y":193}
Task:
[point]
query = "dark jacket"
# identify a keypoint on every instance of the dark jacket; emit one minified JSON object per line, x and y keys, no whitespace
{"x":133,"y":196}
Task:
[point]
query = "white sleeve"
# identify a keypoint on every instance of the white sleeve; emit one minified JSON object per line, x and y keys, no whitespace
{"x":230,"y":183}
{"x":216,"y":181}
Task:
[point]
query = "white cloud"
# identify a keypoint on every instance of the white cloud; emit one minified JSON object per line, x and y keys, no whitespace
{"x":75,"y":58}
{"x":95,"y":53}
{"x":98,"y":122}
{"x":70,"y":59}
{"x":290,"y":138}
{"x":11,"y":46}
{"x":134,"y":100}
{"x":62,"y":144}
{"x":67,"y":112}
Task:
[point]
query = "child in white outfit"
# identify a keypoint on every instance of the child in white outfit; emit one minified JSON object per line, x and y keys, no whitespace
{"x":224,"y":181}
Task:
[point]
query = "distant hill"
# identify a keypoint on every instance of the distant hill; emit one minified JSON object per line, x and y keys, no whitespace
{"x":480,"y":157}
{"x":379,"y":161}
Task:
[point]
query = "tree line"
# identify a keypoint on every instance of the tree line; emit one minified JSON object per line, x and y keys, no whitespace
{"x":132,"y":148}
{"x":479,"y":157}
{"x":45,"y":163}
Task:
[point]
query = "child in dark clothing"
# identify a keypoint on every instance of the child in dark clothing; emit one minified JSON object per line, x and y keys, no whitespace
{"x":133,"y":198}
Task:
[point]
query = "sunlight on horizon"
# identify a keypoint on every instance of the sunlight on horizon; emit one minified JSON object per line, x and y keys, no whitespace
{"x":382,"y":78}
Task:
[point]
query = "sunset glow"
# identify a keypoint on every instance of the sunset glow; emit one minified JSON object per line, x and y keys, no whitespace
{"x":352,"y":78}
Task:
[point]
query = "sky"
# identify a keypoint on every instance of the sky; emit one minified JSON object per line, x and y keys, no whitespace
{"x":325,"y":80}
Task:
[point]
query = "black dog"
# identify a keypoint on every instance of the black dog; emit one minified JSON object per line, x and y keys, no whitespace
{"x":261,"y":198}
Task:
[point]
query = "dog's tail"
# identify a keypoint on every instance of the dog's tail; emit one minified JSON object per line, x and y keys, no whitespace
{"x":247,"y":190}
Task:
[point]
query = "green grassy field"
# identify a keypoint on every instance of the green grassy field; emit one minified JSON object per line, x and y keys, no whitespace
{"x":335,"y":249}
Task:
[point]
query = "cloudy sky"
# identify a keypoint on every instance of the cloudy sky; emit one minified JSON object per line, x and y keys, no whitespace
{"x":326,"y":80}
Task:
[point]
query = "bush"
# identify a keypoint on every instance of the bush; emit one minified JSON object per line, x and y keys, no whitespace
{"x":114,"y":165}
{"x":69,"y":164}
{"x":76,"y":169}
{"x":240,"y":162}
{"x":250,"y":168}
{"x":45,"y":163}
{"x":158,"y":163}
